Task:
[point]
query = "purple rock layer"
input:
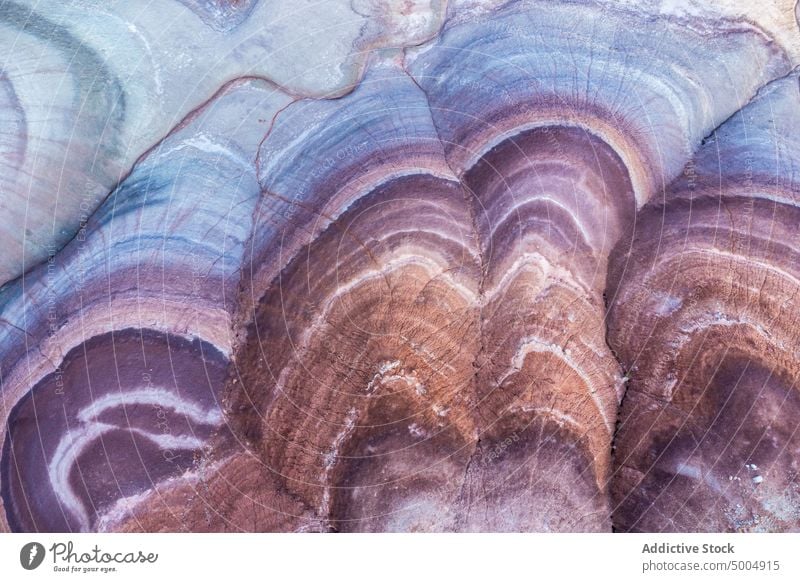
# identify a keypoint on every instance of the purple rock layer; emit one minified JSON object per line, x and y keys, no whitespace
{"x":399,"y":266}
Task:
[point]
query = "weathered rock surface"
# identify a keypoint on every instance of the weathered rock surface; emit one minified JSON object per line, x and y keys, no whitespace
{"x":399,"y":266}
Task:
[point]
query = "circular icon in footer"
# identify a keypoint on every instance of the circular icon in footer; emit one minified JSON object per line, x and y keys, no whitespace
{"x":31,"y":555}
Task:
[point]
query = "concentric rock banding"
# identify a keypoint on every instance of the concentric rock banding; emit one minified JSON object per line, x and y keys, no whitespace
{"x":98,"y":86}
{"x":156,"y":269}
{"x":548,"y":220}
{"x":536,"y":178}
{"x":423,"y":271}
{"x":489,"y":76}
{"x":371,"y":297}
{"x":704,"y":317}
{"x":147,"y":407}
{"x":64,"y":109}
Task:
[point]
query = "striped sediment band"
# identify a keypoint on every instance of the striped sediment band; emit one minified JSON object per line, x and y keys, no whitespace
{"x":520,"y":277}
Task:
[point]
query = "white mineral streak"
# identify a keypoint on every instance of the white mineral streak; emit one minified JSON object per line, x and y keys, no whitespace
{"x":75,"y":441}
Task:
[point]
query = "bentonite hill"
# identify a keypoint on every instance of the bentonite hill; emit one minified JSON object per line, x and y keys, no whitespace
{"x":399,"y":265}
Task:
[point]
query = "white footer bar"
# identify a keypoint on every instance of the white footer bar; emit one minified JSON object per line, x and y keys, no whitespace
{"x":406,"y":557}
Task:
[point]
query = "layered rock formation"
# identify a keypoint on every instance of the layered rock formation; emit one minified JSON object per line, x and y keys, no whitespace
{"x":708,"y":435}
{"x":413,"y":266}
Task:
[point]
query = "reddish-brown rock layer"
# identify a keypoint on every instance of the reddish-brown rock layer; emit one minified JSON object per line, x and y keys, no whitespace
{"x":372,"y":295}
{"x":704,"y":318}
